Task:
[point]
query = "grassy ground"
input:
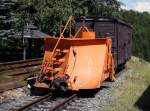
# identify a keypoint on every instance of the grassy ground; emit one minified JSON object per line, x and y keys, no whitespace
{"x":134,"y":93}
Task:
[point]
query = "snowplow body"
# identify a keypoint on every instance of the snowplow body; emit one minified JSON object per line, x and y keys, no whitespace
{"x":86,"y":61}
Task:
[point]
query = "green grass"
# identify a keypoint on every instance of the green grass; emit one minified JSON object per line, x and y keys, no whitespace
{"x":128,"y":93}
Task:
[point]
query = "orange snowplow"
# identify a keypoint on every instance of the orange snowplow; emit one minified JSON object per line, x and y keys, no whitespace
{"x":76,"y":63}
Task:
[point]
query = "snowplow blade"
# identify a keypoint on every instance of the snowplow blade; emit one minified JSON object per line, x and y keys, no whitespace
{"x":87,"y":63}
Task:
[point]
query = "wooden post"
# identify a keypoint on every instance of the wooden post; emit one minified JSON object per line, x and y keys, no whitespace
{"x":24,"y":49}
{"x":23,"y":39}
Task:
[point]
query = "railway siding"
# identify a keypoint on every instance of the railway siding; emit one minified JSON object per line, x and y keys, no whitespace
{"x":122,"y":95}
{"x":12,"y":74}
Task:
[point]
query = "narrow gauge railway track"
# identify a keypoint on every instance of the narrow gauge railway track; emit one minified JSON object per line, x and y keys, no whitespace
{"x":11,"y":73}
{"x":47,"y":103}
{"x":10,"y":86}
{"x":19,"y":64}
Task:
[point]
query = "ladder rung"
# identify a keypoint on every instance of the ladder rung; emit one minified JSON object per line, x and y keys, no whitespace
{"x":54,"y":72}
{"x":57,"y":50}
{"x":58,"y":60}
{"x":54,"y":59}
{"x":57,"y":69}
{"x":61,"y":60}
{"x":59,"y":53}
{"x":57,"y":63}
{"x":49,"y":68}
{"x":65,"y":51}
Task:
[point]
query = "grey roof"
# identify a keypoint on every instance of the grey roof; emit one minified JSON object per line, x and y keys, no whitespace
{"x":31,"y":31}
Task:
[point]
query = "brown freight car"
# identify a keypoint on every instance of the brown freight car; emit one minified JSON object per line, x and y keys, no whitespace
{"x":120,"y":32}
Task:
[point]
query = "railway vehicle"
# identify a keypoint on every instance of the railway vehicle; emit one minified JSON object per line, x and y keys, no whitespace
{"x":120,"y":32}
{"x":84,"y":60}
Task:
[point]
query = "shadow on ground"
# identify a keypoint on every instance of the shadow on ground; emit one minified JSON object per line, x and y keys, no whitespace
{"x":91,"y":92}
{"x":143,"y":102}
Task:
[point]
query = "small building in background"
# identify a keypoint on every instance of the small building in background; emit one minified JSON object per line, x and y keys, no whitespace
{"x":32,"y":41}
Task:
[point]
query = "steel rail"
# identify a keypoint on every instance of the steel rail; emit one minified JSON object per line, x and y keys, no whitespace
{"x":17,"y":69}
{"x":20,"y":61}
{"x":26,"y":107}
{"x":33,"y":103}
{"x":11,"y":66}
{"x":63,"y":103}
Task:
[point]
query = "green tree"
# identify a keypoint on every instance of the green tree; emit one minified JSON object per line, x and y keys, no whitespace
{"x":51,"y":12}
{"x":141,"y":31}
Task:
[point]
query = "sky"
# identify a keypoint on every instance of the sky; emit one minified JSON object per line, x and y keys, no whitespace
{"x":138,"y":5}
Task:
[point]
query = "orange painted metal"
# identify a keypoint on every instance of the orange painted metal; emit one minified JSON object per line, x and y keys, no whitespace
{"x":89,"y":61}
{"x":88,"y":35}
{"x":82,"y":63}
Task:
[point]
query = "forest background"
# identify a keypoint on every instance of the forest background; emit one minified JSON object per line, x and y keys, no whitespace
{"x":47,"y":14}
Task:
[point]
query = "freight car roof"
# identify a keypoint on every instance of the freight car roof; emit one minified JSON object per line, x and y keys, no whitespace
{"x":102,"y":19}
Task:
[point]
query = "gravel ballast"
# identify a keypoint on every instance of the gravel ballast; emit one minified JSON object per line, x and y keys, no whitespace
{"x":96,"y":102}
{"x":102,"y":98}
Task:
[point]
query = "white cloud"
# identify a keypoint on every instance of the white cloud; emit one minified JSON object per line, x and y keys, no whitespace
{"x":142,"y":6}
